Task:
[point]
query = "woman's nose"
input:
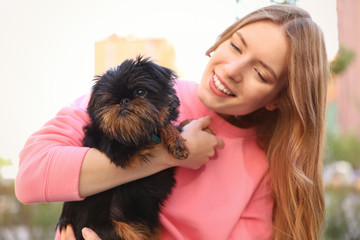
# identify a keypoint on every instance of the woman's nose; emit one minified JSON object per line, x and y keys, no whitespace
{"x":235,"y":69}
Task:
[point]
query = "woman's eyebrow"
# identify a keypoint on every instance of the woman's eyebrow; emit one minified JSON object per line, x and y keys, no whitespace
{"x":272,"y":72}
{"x":241,"y":38}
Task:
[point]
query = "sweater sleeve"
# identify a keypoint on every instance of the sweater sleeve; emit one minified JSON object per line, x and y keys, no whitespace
{"x":256,"y":220}
{"x":50,"y":162}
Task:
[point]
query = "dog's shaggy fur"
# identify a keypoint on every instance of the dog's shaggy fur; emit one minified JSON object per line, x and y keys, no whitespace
{"x":132,"y":108}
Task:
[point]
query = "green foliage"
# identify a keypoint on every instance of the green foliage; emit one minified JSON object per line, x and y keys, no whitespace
{"x":335,"y":224}
{"x":4,"y":162}
{"x":343,"y":147}
{"x":342,"y":204}
{"x":292,"y":2}
{"x":342,"y":60}
{"x":38,"y":221}
{"x":342,"y":214}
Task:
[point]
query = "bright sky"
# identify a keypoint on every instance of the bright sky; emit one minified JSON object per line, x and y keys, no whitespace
{"x":47,"y":48}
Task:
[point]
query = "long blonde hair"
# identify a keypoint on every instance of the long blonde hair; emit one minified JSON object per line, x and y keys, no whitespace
{"x":292,"y":136}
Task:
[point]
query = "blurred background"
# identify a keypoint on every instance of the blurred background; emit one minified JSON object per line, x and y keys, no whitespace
{"x":51,"y":50}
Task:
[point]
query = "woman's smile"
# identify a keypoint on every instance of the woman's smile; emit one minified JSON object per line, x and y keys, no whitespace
{"x":219,"y":87}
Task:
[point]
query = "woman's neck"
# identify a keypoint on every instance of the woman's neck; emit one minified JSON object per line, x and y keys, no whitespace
{"x":237,"y":121}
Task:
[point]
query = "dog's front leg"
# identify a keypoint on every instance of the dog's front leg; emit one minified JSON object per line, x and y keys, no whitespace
{"x":172,"y":139}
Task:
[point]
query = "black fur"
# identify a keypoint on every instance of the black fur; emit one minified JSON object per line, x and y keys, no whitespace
{"x":149,"y":108}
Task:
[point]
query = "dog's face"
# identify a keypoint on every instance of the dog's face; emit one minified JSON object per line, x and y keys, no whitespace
{"x":131,"y":102}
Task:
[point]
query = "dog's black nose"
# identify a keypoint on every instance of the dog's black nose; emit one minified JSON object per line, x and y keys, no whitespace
{"x":124,"y":102}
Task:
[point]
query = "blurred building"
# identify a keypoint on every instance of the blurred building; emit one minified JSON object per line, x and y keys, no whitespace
{"x":348,"y":92}
{"x":111,"y":51}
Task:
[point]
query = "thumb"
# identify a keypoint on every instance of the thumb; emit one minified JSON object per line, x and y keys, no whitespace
{"x":220,"y":143}
{"x":204,"y":122}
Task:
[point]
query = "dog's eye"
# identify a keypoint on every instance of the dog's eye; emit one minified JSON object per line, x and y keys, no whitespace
{"x":140,"y":92}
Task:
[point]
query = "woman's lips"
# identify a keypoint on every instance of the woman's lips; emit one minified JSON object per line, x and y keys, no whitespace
{"x":219,"y":88}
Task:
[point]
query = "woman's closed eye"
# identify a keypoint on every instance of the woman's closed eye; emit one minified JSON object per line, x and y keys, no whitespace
{"x":261,"y":76}
{"x":235,"y":47}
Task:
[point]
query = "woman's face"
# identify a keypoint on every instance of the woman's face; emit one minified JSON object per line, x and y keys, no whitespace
{"x":247,"y":71}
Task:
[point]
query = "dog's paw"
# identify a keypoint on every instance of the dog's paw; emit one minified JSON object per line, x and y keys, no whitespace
{"x":179,"y":150}
{"x":174,"y":141}
{"x":182,"y":155}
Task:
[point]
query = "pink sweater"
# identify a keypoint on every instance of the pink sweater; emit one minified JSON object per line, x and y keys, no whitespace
{"x":228,"y":198}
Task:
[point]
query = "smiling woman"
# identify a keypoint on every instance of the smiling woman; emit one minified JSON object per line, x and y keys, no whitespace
{"x":263,"y":94}
{"x":247,"y":71}
{"x":292,"y":127}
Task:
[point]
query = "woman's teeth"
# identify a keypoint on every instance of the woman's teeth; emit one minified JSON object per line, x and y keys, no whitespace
{"x":221,"y":87}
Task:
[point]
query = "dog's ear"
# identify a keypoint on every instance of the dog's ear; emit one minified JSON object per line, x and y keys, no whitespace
{"x":168,"y":73}
{"x":163,"y":74}
{"x":174,"y":101}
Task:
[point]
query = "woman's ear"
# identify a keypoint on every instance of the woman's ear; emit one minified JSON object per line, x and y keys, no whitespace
{"x":271,"y":106}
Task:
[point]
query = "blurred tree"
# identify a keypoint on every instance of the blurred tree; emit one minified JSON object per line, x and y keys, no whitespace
{"x":19,"y":221}
{"x":277,"y":1}
{"x":342,"y":214}
{"x":342,"y":60}
{"x":342,"y":147}
{"x":293,"y":2}
{"x":4,"y":162}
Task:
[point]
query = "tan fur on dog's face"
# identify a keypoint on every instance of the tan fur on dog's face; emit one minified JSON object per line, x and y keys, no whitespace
{"x":138,"y":118}
{"x":131,"y":103}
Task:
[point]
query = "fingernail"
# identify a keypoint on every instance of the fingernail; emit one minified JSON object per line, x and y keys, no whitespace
{"x":85,"y":232}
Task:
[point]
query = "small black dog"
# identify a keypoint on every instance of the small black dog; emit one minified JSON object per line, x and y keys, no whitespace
{"x":131,"y":109}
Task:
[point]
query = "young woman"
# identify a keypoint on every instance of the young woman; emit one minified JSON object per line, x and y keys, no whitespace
{"x":263,"y":93}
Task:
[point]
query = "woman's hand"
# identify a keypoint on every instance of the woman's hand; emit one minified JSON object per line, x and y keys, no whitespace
{"x":201,"y":144}
{"x":88,"y":234}
{"x":68,"y":233}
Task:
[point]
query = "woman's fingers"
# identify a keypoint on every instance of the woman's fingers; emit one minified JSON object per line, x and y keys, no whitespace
{"x":89,"y":234}
{"x":204,"y":123}
{"x":68,"y":233}
{"x":200,"y":141}
{"x":220,"y":143}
